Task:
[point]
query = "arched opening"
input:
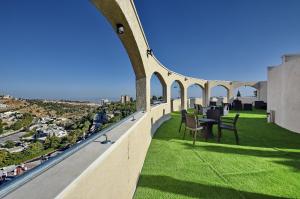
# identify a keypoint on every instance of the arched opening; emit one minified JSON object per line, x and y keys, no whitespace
{"x":246,"y":94}
{"x":195,"y":94}
{"x":219,"y":95}
{"x":158,"y":89}
{"x":176,"y":96}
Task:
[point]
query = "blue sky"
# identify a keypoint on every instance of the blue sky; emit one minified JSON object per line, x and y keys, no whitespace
{"x":67,"y":49}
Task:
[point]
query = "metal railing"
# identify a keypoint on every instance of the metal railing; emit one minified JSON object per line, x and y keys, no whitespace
{"x":15,"y":183}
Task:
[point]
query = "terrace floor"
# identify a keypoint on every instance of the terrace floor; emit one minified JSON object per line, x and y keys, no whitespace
{"x":266,"y":164}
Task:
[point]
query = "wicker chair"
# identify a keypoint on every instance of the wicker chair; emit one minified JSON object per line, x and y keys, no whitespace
{"x":192,"y":125}
{"x":228,"y":124}
{"x":183,"y":118}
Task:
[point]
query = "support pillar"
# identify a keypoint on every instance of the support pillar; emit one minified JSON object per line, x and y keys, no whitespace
{"x":143,"y":94}
{"x":207,"y":94}
{"x":229,"y":94}
{"x":184,"y":98}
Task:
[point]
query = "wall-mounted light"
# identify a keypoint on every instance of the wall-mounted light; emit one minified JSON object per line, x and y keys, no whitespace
{"x":185,"y":79}
{"x":169,"y":73}
{"x":149,"y":52}
{"x":120,"y":29}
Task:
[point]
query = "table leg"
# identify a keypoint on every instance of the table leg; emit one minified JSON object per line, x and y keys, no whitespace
{"x":210,"y":131}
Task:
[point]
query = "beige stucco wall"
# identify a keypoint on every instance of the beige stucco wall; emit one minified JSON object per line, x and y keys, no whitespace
{"x":115,"y":174}
{"x":283,"y":94}
{"x":192,"y":101}
{"x":176,"y":104}
{"x":262,"y":93}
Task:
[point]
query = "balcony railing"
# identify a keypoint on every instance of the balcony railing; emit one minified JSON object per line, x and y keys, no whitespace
{"x":10,"y":186}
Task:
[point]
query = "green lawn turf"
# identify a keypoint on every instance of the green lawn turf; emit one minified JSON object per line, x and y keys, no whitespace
{"x":266,"y":164}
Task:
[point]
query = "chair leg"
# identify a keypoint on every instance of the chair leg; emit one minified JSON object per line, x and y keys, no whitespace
{"x":205,"y":133}
{"x":184,"y":133}
{"x":195,"y":136}
{"x":180,"y":127}
{"x":236,"y":136}
{"x":219,"y":135}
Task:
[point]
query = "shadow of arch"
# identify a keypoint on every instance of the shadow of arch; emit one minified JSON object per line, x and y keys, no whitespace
{"x":186,"y":188}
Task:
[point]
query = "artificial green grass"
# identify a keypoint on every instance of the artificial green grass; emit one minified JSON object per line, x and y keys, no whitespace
{"x":266,"y":164}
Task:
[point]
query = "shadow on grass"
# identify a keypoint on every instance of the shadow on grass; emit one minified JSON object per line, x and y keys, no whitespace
{"x":195,"y":190}
{"x":291,"y":158}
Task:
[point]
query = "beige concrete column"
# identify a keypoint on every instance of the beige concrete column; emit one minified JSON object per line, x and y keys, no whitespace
{"x":207,"y":94}
{"x":143,"y":94}
{"x":184,"y":99}
{"x":168,"y":96}
{"x":229,"y":94}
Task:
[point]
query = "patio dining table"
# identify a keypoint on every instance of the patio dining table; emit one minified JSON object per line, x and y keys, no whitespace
{"x":208,"y":123}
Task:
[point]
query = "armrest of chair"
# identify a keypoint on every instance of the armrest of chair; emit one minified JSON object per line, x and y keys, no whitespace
{"x":227,"y":120}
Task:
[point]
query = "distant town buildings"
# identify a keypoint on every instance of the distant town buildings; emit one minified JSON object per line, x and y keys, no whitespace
{"x":125,"y":99}
{"x":104,"y":102}
{"x":7,"y":97}
{"x":3,"y":106}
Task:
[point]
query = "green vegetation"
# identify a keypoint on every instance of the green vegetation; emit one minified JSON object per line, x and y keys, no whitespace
{"x":1,"y":127}
{"x":77,"y":128}
{"x":265,"y":165}
{"x":124,"y":109}
{"x":29,"y":134}
{"x":22,"y":123}
{"x":52,"y":142}
{"x":61,"y":108}
{"x":34,"y":150}
{"x":9,"y":144}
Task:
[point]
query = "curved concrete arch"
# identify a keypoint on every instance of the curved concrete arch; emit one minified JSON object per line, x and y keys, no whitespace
{"x":179,"y":83}
{"x":225,"y":84}
{"x":221,"y":86}
{"x":142,"y":58}
{"x":131,"y":39}
{"x":182,"y":96}
{"x":238,"y":84}
{"x":163,"y":84}
{"x":201,"y":85}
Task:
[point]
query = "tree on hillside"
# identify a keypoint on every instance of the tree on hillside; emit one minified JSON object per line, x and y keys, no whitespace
{"x":238,"y":94}
{"x":1,"y":127}
{"x":9,"y":144}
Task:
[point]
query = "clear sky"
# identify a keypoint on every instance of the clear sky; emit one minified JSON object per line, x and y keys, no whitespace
{"x":67,"y":49}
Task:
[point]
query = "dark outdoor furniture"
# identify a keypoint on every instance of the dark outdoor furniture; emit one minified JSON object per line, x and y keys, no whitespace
{"x":192,"y":125}
{"x":260,"y":105}
{"x":213,"y":114}
{"x":228,"y":124}
{"x":183,"y":118}
{"x":198,"y":109}
{"x":211,"y":103}
{"x":212,"y":117}
{"x":237,"y":105}
{"x":208,"y":124}
{"x":248,"y":107}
